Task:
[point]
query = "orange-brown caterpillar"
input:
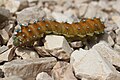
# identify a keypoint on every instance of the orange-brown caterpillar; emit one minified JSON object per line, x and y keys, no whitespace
{"x":32,"y":32}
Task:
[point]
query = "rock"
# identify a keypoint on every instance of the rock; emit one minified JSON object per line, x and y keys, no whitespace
{"x":91,"y":10}
{"x":58,"y":46}
{"x":110,"y":26}
{"x":82,"y":9}
{"x":117,"y":47}
{"x":26,"y":53}
{"x":1,"y":73}
{"x":58,"y":9}
{"x":7,"y":55}
{"x":118,"y":36}
{"x":102,"y":15}
{"x":61,"y":17}
{"x":116,"y":5}
{"x":1,"y":40}
{"x":105,"y":5}
{"x":63,"y":71}
{"x":90,"y":65}
{"x":10,"y":42}
{"x":3,"y":49}
{"x":32,"y":1}
{"x":2,"y":2}
{"x":12,"y":78}
{"x":23,"y":4}
{"x":29,"y":15}
{"x":16,"y":5}
{"x":13,"y":5}
{"x":110,"y":40}
{"x":41,"y":51}
{"x":4,"y":35}
{"x":76,"y":44}
{"x":116,"y":19}
{"x":108,"y":53}
{"x":4,"y":16}
{"x":71,"y":13}
{"x":28,"y":69}
{"x":43,"y":76}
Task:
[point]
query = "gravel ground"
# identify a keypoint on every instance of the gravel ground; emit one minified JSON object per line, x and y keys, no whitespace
{"x":54,"y":57}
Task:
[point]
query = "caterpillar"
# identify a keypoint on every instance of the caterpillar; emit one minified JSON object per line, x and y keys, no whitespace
{"x":32,"y":32}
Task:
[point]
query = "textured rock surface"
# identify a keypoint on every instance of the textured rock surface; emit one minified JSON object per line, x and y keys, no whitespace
{"x":97,"y":62}
{"x":59,"y":45}
{"x":107,"y":52}
{"x":92,"y":66}
{"x":26,"y":54}
{"x":43,"y":76}
{"x":28,"y":69}
{"x":63,"y":71}
{"x":7,"y":55}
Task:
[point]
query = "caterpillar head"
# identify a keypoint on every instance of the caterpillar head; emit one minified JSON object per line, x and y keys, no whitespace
{"x":16,"y":41}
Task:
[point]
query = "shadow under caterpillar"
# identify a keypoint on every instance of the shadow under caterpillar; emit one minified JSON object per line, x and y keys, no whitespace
{"x":31,"y":32}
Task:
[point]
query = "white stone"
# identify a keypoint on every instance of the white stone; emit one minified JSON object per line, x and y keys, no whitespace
{"x":41,"y":51}
{"x":43,"y":76}
{"x":29,"y":14}
{"x":110,"y":40}
{"x":28,"y":69}
{"x":91,"y":10}
{"x":26,"y":54}
{"x":116,"y":19}
{"x":82,"y":9}
{"x":4,"y":35}
{"x":12,"y":78}
{"x":7,"y":55}
{"x":90,"y":65}
{"x":117,"y":47}
{"x":63,"y":71}
{"x":107,"y":52}
{"x":13,"y":5}
{"x":118,"y":36}
{"x":3,"y":48}
{"x":59,"y":45}
{"x":116,"y":5}
{"x":61,"y":17}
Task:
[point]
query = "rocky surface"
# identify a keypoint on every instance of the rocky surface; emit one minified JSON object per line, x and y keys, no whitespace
{"x":55,"y":57}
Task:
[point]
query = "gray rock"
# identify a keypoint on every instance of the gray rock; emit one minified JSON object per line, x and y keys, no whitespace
{"x":61,"y":17}
{"x":58,"y":46}
{"x":12,"y":78}
{"x":116,"y":5}
{"x":116,"y":19}
{"x":29,"y":15}
{"x":26,"y":54}
{"x":91,"y":10}
{"x":43,"y":76}
{"x":82,"y":9}
{"x":76,"y":44}
{"x":108,"y":53}
{"x":4,"y":35}
{"x":7,"y":55}
{"x":28,"y":69}
{"x":16,"y":5}
{"x":117,"y":47}
{"x":91,"y":65}
{"x":118,"y":36}
{"x":41,"y":51}
{"x":102,"y":15}
{"x":63,"y":71}
{"x":3,"y":49}
{"x":4,"y":16}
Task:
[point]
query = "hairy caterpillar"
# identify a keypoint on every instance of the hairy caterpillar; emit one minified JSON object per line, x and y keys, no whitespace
{"x":32,"y":32}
